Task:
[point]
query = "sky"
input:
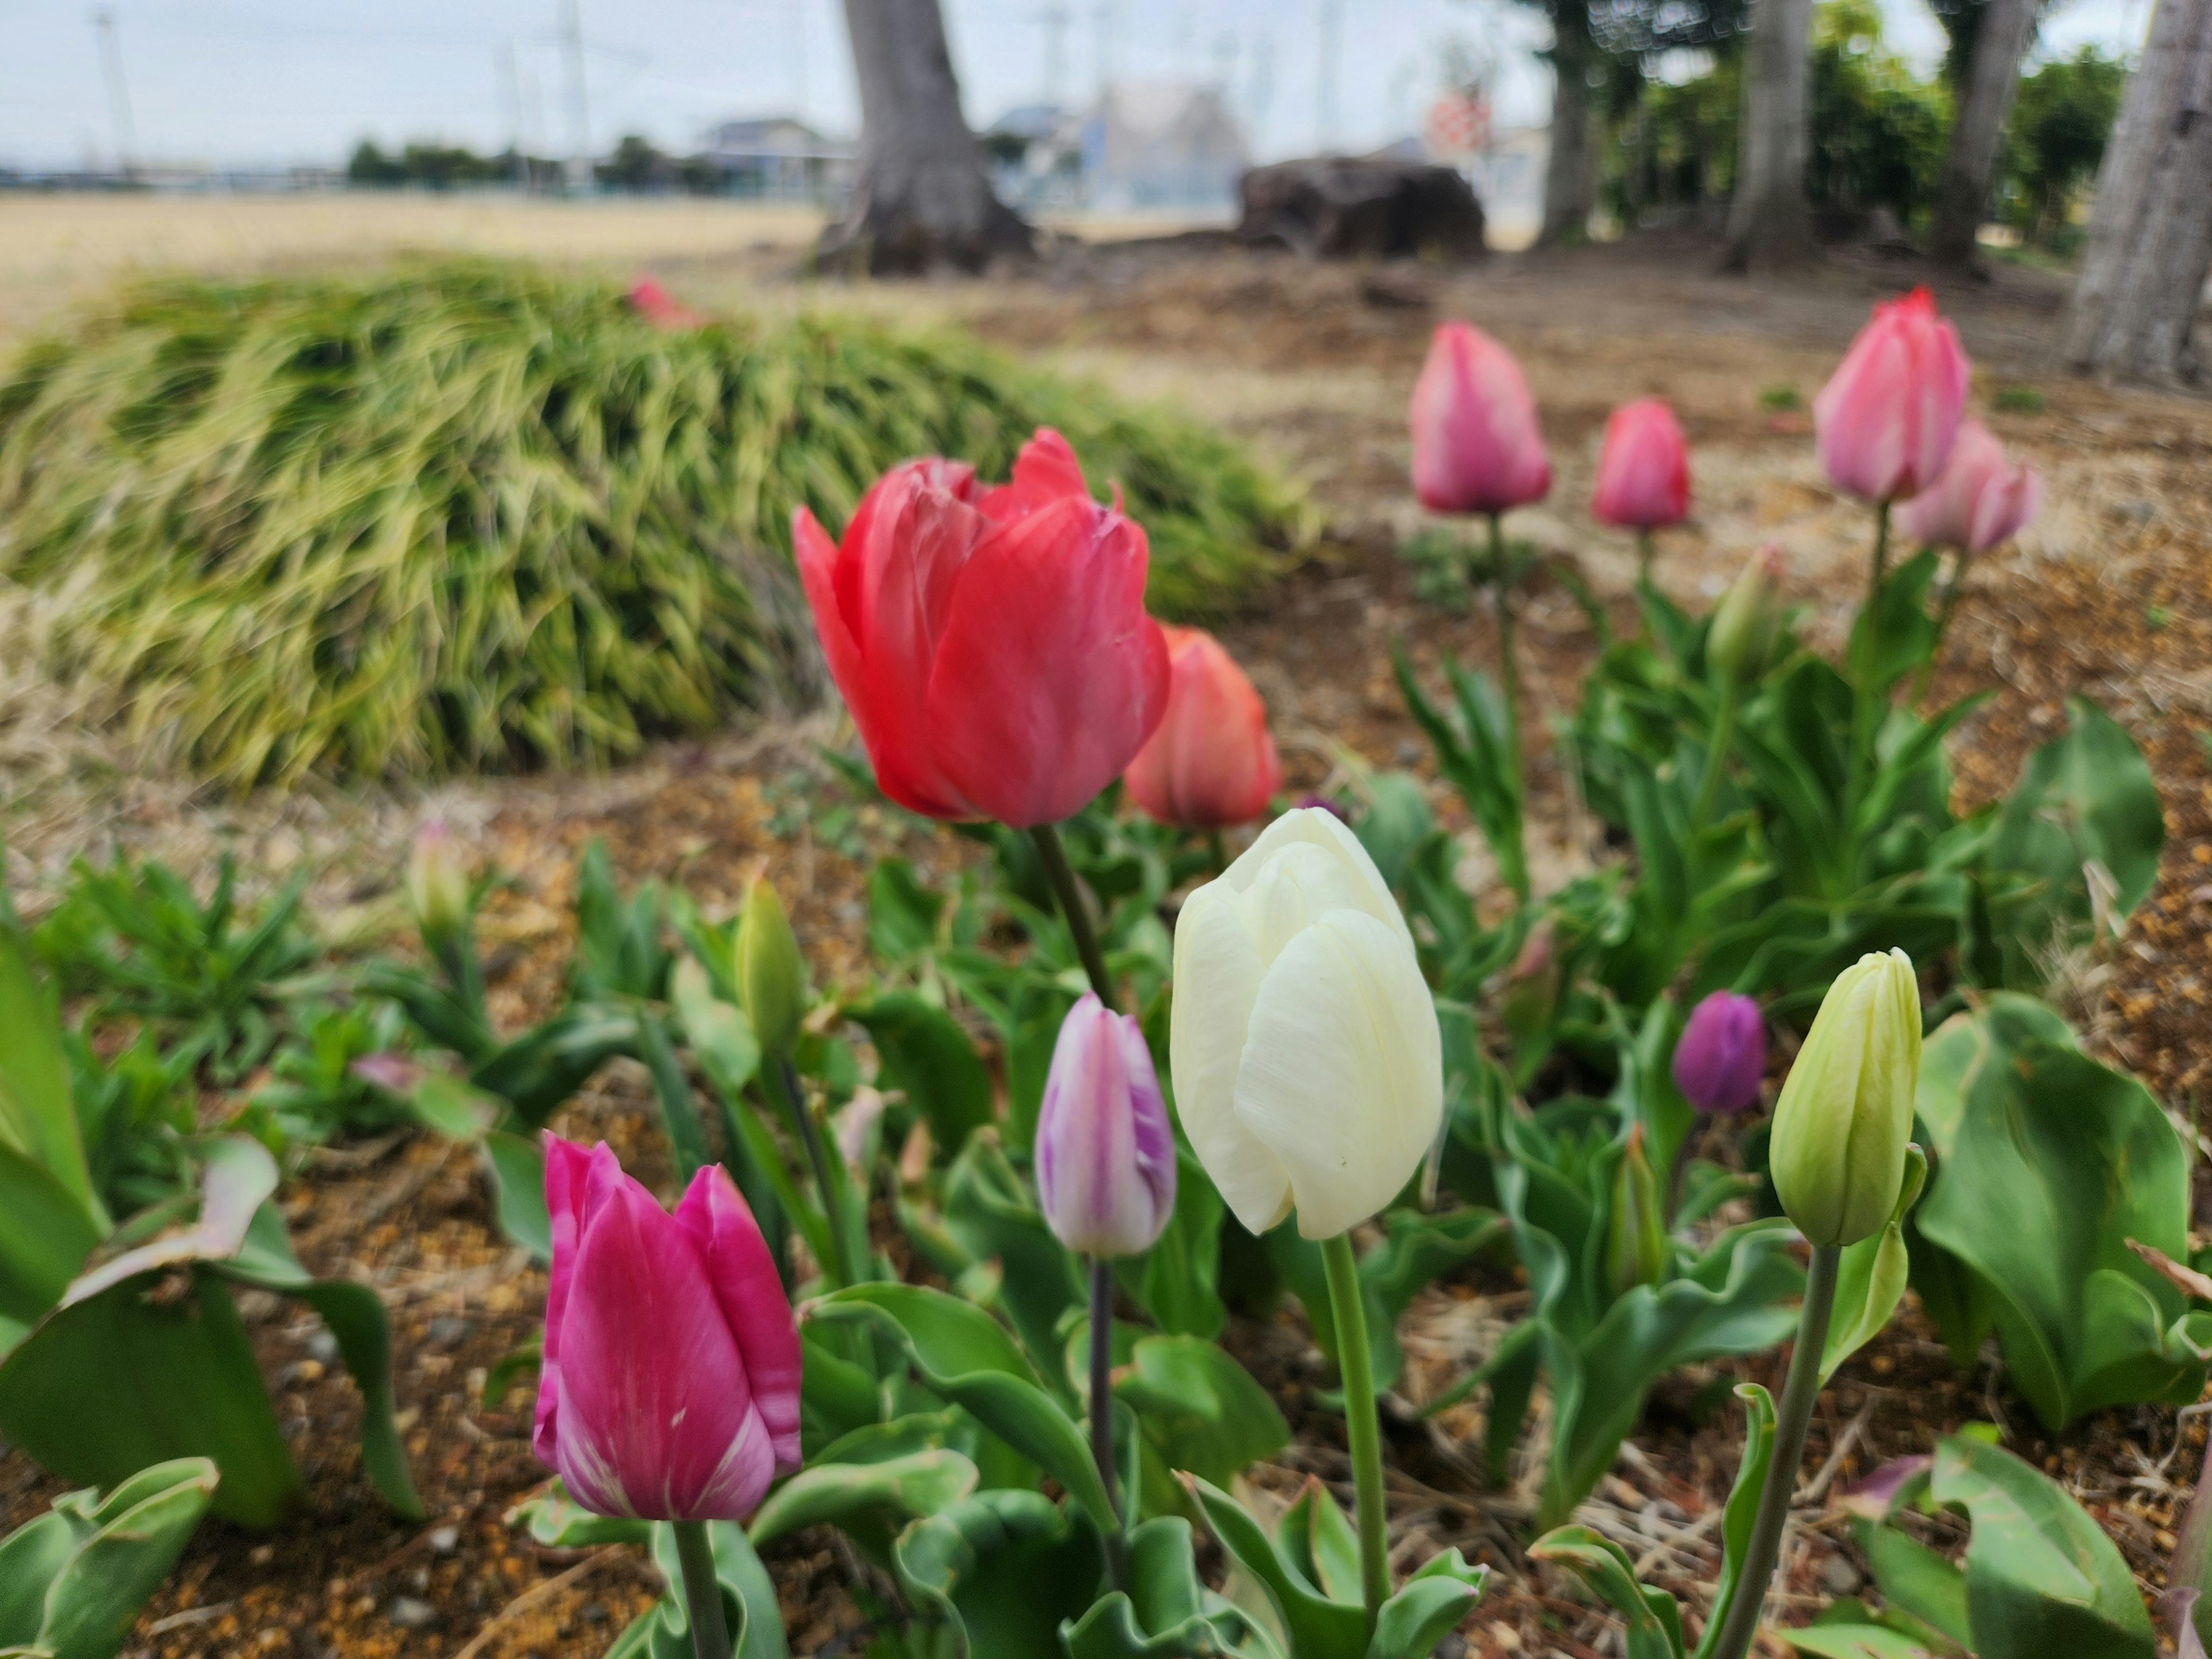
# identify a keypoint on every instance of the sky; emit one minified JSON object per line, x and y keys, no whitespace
{"x":267,"y":82}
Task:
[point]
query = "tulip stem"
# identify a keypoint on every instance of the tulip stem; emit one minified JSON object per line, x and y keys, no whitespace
{"x":1508,"y":669}
{"x":1716,"y":754}
{"x":1944,"y":606}
{"x":1643,"y":551}
{"x":703,"y":1592}
{"x":781,"y":1077}
{"x":1793,"y":1417}
{"x":1866,"y":696}
{"x":1362,"y":1430}
{"x":1102,"y":1401}
{"x":1062,"y":875}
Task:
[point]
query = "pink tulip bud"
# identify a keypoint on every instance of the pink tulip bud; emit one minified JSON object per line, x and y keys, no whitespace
{"x":670,"y":1388}
{"x":1477,"y":447}
{"x":438,"y":881}
{"x":1105,"y":1156}
{"x":1722,"y":1054}
{"x":1643,"y":468}
{"x":658,"y":306}
{"x":1209,"y":762}
{"x":1978,"y":500}
{"x":1886,"y":420}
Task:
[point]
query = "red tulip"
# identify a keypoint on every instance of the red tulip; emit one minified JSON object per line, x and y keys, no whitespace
{"x":992,"y":644}
{"x":1211,"y":763}
{"x":670,"y":1390}
{"x":1886,"y":420}
{"x":658,"y":306}
{"x":1642,"y":469}
{"x":1477,"y":447}
{"x":1978,"y":500}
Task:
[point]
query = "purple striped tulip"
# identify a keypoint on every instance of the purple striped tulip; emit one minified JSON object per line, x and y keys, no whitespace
{"x":670,"y":1390}
{"x":1105,"y":1156}
{"x":1722,"y":1054}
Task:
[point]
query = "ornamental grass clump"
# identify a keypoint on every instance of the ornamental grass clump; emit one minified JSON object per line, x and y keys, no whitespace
{"x":467,"y":516}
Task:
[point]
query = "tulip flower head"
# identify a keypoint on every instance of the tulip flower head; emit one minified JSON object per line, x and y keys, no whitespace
{"x":1105,"y":1155}
{"x":1977,"y":502}
{"x":1643,"y":468}
{"x":670,"y":1388}
{"x":1307,"y":1061}
{"x":1211,"y":763}
{"x":771,"y":975}
{"x":438,"y":881}
{"x":1886,"y":420}
{"x":1477,"y":447}
{"x":1846,"y":1114}
{"x":992,"y":644}
{"x":663,"y":310}
{"x":1636,"y":1232}
{"x":1746,"y":619}
{"x":1722,"y":1054}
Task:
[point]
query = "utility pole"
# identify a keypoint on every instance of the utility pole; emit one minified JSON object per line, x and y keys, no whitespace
{"x":1331,"y":28}
{"x":119,"y":95}
{"x":1102,"y":41}
{"x":510,"y":89}
{"x":1055,"y":18}
{"x":580,"y":119}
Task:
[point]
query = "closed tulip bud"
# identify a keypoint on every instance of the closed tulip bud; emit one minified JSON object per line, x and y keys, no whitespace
{"x":1846,"y":1114}
{"x":670,"y":1387}
{"x":1722,"y":1054}
{"x":771,"y":974}
{"x":438,"y":882}
{"x":1211,"y":763}
{"x":1477,"y":447}
{"x":1105,"y":1155}
{"x":1977,"y":502}
{"x":1643,"y":468}
{"x":1308,"y":1068}
{"x":992,"y":644}
{"x":1886,"y":420}
{"x":1636,"y":1237}
{"x":1746,"y":620}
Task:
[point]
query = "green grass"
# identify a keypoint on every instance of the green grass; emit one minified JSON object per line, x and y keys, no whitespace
{"x":471,"y":517}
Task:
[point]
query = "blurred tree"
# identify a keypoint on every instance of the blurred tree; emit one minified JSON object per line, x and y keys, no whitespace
{"x":1769,"y":224}
{"x":636,"y":165}
{"x":921,"y":196}
{"x":1877,"y":129}
{"x":372,"y":167}
{"x":2059,"y":125}
{"x":1997,"y":41}
{"x":2133,"y":311}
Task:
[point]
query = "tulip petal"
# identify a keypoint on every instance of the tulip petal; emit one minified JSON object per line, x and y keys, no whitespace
{"x":655,"y":1416}
{"x":1044,"y":472}
{"x":741,"y":1273}
{"x":577,"y":1182}
{"x":1342,"y":1073}
{"x":1354,"y":881}
{"x":1217,"y":972}
{"x":1049,"y":676}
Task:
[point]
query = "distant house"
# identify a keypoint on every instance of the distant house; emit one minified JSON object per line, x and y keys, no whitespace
{"x":1141,"y":146}
{"x":777,"y":158}
{"x":1035,"y":152}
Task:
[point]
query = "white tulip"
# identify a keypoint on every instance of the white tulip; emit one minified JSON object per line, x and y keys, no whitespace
{"x":1308,"y":1067}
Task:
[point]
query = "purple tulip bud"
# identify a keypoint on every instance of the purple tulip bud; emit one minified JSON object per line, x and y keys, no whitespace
{"x":670,"y":1388}
{"x":394,"y":1074}
{"x":1105,"y":1156}
{"x":1326,"y":805}
{"x":1722,"y":1054}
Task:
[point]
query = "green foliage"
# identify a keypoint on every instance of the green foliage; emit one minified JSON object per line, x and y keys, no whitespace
{"x":73,"y":1580}
{"x":2055,"y":140}
{"x":1878,"y":130}
{"x":313,"y":1094}
{"x":466,"y":516}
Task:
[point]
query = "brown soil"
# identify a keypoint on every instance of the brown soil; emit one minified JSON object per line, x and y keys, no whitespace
{"x":2110,"y":595}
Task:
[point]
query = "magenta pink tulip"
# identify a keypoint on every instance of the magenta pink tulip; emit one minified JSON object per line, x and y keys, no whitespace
{"x":658,"y":306}
{"x":1722,"y":1054}
{"x":1211,"y":763}
{"x":670,"y":1390}
{"x":1887,"y":418}
{"x":1477,"y":447}
{"x":1978,"y":501}
{"x":1105,"y":1156}
{"x":992,"y":644}
{"x":1643,"y":468}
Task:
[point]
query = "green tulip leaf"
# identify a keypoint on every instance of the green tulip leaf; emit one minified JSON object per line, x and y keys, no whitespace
{"x":1165,"y":1614}
{"x":925,"y":1054}
{"x":749,"y":1605}
{"x":517,"y":1166}
{"x":1005,"y":1569}
{"x":1200,"y":1410}
{"x":1857,"y":1642}
{"x":558,"y":1521}
{"x":1919,"y":1585}
{"x":989,"y":1213}
{"x":967,"y":1357}
{"x":72,"y":1581}
{"x":1314,"y":1538}
{"x":2042,"y":1577}
{"x":1653,"y":1624}
{"x":1428,"y":1608}
{"x":1870,"y":1281}
{"x":37,"y":1122}
{"x":1318,"y":1627}
{"x":920,"y":1483}
{"x":1178,"y":1281}
{"x":1742,"y":1514}
{"x":45,"y":1233}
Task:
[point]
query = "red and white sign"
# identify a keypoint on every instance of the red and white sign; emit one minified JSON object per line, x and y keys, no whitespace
{"x":1457,"y":125}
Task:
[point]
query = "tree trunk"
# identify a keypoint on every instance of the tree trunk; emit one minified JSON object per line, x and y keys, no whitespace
{"x":920,"y":197}
{"x":1992,"y":76}
{"x":1567,"y":191}
{"x":2134,"y":304}
{"x":1769,"y":224}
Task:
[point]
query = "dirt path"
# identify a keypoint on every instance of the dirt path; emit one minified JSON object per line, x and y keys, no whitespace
{"x":2110,"y":594}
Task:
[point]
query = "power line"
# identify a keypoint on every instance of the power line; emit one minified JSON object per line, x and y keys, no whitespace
{"x":119,"y":95}
{"x":579,"y":118}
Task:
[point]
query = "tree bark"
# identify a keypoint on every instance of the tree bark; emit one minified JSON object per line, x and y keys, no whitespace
{"x":1992,"y":76}
{"x":2133,"y":307}
{"x":921,"y":196}
{"x":1769,"y":223}
{"x":1568,"y":194}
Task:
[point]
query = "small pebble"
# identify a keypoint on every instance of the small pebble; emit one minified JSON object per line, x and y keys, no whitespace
{"x":322,"y":1347}
{"x":409,"y":1614}
{"x":446,"y":1330}
{"x":1838,"y":1575}
{"x":444,"y":1541}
